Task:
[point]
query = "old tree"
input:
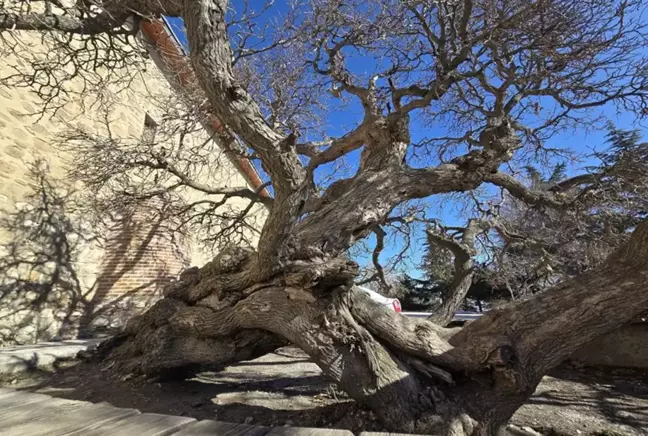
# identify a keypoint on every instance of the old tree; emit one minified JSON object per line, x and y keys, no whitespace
{"x":499,"y":78}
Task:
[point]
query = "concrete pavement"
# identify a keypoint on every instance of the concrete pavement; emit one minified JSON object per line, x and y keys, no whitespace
{"x":24,"y":357}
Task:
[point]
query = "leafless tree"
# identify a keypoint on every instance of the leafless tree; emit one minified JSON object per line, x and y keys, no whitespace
{"x":546,"y":246}
{"x":169,"y":169}
{"x":504,"y":76}
{"x":531,"y":249}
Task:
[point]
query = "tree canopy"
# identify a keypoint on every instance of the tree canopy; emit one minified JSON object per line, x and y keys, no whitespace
{"x":456,"y":98}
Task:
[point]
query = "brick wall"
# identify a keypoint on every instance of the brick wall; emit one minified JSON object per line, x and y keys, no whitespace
{"x":141,"y":256}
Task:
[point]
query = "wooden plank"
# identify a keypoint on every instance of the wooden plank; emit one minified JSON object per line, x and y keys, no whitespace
{"x":55,"y":421}
{"x":25,"y":413}
{"x":216,"y":428}
{"x":299,"y":431}
{"x":22,"y":410}
{"x":18,"y":398}
{"x":146,"y":424}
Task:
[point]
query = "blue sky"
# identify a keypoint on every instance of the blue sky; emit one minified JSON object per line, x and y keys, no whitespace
{"x":581,"y":141}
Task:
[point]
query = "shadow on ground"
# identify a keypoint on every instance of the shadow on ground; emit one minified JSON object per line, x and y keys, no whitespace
{"x":576,"y":401}
{"x":278,"y":389}
{"x":284,"y":388}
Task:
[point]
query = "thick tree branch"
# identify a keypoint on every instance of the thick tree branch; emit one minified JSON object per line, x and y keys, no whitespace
{"x":518,"y":190}
{"x":457,"y":247}
{"x":421,"y":183}
{"x":91,"y":26}
{"x":211,"y":56}
{"x":545,"y":330}
{"x":206,"y":31}
{"x":575,"y":181}
{"x":418,"y":338}
{"x":463,"y":250}
{"x":341,"y":146}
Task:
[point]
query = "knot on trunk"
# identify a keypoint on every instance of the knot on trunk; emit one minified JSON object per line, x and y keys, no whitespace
{"x":219,"y":274}
{"x":229,"y":260}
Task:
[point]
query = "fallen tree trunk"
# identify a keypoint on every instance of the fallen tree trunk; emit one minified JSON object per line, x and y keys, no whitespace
{"x":417,"y":376}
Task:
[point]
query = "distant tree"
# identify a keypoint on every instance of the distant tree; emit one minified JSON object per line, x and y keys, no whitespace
{"x":611,"y":198}
{"x":419,"y":294}
{"x":451,"y":280}
{"x":485,"y":294}
{"x":534,"y":248}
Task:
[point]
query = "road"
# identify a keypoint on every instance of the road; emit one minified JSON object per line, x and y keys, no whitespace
{"x":459,"y":316}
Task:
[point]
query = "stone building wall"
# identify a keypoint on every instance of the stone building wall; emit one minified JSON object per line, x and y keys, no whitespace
{"x":106,"y":279}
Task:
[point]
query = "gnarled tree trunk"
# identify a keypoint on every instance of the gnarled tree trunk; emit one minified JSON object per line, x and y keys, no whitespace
{"x":298,"y":287}
{"x":417,"y":376}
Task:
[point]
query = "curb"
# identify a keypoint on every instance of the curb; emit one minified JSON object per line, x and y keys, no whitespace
{"x":42,"y":355}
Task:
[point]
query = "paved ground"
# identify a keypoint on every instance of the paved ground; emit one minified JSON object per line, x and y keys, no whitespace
{"x":23,"y":413}
{"x":20,"y":358}
{"x":286,"y":389}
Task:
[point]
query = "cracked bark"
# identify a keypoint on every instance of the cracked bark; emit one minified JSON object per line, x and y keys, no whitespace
{"x":297,"y":288}
{"x":418,"y":376}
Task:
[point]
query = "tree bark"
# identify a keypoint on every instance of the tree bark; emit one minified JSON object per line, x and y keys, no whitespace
{"x":298,"y":288}
{"x":211,"y":58}
{"x":418,"y":376}
{"x":463,"y":251}
{"x":459,"y":287}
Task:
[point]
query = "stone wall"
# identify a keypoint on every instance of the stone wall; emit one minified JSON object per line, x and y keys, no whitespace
{"x":99,"y":281}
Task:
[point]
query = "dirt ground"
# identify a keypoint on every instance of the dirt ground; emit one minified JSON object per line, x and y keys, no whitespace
{"x":284,"y":388}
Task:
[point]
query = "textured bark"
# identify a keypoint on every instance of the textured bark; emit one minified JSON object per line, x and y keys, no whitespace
{"x":351,"y":207}
{"x":463,"y":251}
{"x":309,"y":305}
{"x":459,"y":287}
{"x":91,"y":26}
{"x":297,"y":287}
{"x":211,"y":56}
{"x":418,"y":376}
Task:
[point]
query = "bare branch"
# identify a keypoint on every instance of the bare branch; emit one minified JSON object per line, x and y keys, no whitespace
{"x":101,"y":23}
{"x":341,"y":146}
{"x":235,"y":107}
{"x":244,"y":192}
{"x":518,"y":190}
